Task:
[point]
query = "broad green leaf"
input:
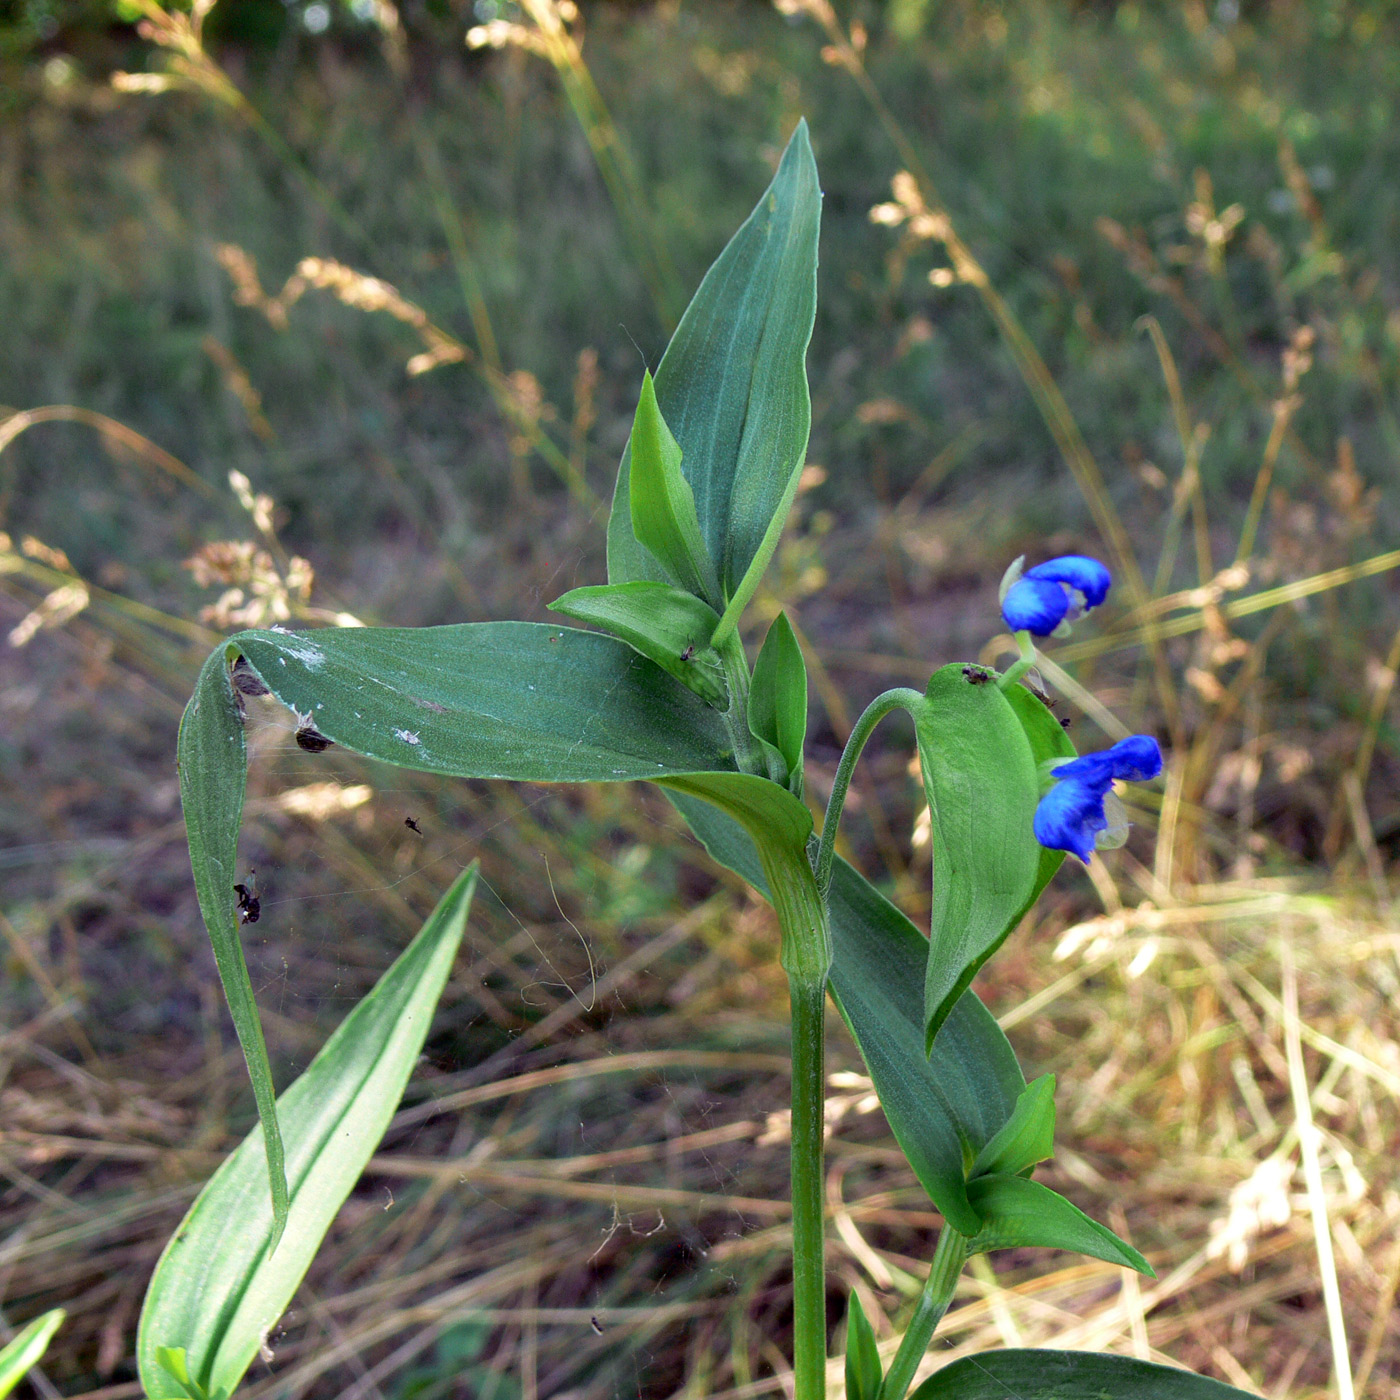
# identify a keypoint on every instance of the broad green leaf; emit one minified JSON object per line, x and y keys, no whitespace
{"x":942,"y":1109}
{"x":478,"y":700}
{"x":863,"y":1370}
{"x":24,"y":1350}
{"x":663,"y":505}
{"x":982,"y":786}
{"x":666,"y":625}
{"x":778,"y":698}
{"x":733,"y":388}
{"x":1027,"y":1137}
{"x":1067,"y":1375}
{"x":1018,"y":1214}
{"x":220,"y":1286}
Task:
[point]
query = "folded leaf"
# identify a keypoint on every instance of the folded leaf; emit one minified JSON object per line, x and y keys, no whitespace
{"x":942,"y":1109}
{"x":1027,"y":1137}
{"x":733,"y":388}
{"x":982,"y":786}
{"x":220,"y":1287}
{"x":1067,"y":1375}
{"x":1048,"y":741}
{"x":778,"y":698}
{"x":1018,"y":1214}
{"x":663,"y":505}
{"x":863,"y":1370}
{"x":666,"y":625}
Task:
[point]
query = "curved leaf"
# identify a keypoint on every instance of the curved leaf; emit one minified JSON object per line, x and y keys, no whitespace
{"x":1027,"y":1137}
{"x":778,"y":698}
{"x":1017,"y":1213}
{"x":863,"y":1369}
{"x":25,"y":1349}
{"x":1067,"y":1375}
{"x":220,"y":1286}
{"x":733,"y":387}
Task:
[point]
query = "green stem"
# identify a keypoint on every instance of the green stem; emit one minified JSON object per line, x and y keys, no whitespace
{"x":1017,"y":669}
{"x":901,"y":698}
{"x":948,"y":1260}
{"x":806,"y":958}
{"x":736,"y":674}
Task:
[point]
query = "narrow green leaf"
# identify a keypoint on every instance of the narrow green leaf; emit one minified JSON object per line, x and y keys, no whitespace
{"x":1017,"y":1213}
{"x":778,"y":697}
{"x":668,"y":626}
{"x":663,"y":505}
{"x":1048,"y":741}
{"x":863,"y":1370}
{"x":24,"y":1350}
{"x":220,"y":1287}
{"x":982,"y":786}
{"x":733,"y":388}
{"x":1067,"y":1375}
{"x":213,"y":767}
{"x":1027,"y":1137}
{"x":942,"y":1109}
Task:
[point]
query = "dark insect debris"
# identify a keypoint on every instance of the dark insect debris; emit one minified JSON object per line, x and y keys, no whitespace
{"x":976,"y":675}
{"x":246,"y":680}
{"x":312,"y":740}
{"x":249,"y":905}
{"x":412,"y":825}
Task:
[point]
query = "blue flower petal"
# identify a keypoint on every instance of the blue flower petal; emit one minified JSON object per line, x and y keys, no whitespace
{"x":1068,"y":818}
{"x":1090,"y":577}
{"x":1136,"y":758}
{"x":1034,"y":605}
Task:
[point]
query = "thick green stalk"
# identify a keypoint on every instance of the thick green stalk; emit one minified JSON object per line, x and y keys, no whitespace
{"x":948,"y":1260}
{"x":806,"y":958}
{"x":901,"y":698}
{"x":1018,"y":668}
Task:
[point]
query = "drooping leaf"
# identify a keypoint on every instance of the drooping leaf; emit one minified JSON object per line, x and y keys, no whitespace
{"x":982,"y":787}
{"x":1018,"y":1214}
{"x":942,"y":1109}
{"x":666,"y":625}
{"x":663,"y":504}
{"x":219,"y":1287}
{"x":1027,"y":1137}
{"x":778,"y":698}
{"x":733,"y":388}
{"x":26,"y":1348}
{"x":1067,"y":1375}
{"x":480,"y":700}
{"x":863,"y":1370}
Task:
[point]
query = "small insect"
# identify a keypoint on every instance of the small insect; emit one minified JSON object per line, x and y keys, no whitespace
{"x":596,"y":1325}
{"x":688,"y":652}
{"x":1065,"y":721}
{"x":249,"y":905}
{"x":412,"y":825}
{"x":312,"y":740}
{"x":975,"y":675}
{"x":246,"y":680}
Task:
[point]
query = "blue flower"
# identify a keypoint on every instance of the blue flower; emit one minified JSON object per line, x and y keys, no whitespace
{"x":1039,"y":600}
{"x":1071,"y":815}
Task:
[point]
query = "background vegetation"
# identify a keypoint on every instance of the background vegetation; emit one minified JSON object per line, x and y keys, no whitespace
{"x":1174,"y":226}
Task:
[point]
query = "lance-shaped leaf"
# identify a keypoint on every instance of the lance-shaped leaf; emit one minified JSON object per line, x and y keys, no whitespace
{"x":479,"y":700}
{"x":733,"y":388}
{"x":1027,"y":1137}
{"x":668,"y":626}
{"x":1017,"y":1214}
{"x":778,"y":699}
{"x":980,"y":778}
{"x":1068,"y":1375}
{"x":26,"y":1348}
{"x":1048,"y":741}
{"x":942,"y":1109}
{"x":220,"y":1286}
{"x":863,"y":1370}
{"x":663,"y":505}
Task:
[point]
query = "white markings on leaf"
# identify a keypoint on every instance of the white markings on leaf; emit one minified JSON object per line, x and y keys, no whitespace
{"x":407,"y":736}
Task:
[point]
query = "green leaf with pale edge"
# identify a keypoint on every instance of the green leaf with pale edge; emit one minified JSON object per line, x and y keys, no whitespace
{"x":220,"y":1287}
{"x":982,"y":786}
{"x":778,"y":697}
{"x":1018,"y":1214}
{"x":863,"y":1370}
{"x":942,"y":1109}
{"x":666,"y":625}
{"x":1067,"y":1375}
{"x":733,"y":388}
{"x":1027,"y":1137}
{"x":663,"y":505}
{"x":24,"y":1350}
{"x":478,"y":700}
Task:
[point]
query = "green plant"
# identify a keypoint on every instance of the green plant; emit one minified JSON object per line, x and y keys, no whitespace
{"x":665,"y":693}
